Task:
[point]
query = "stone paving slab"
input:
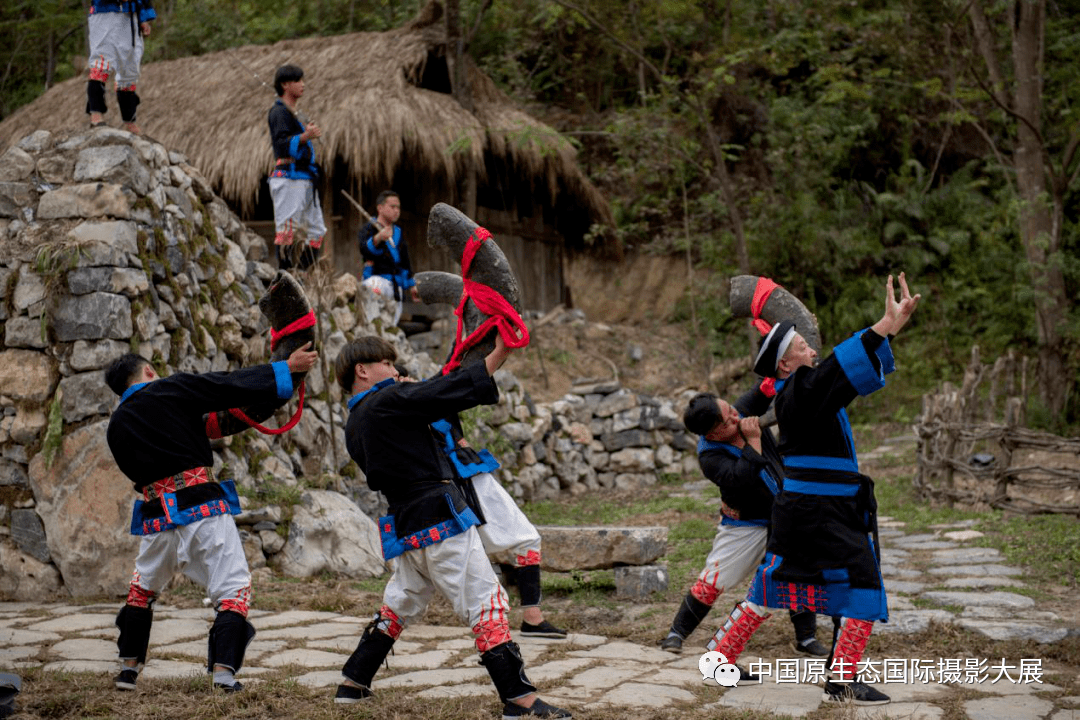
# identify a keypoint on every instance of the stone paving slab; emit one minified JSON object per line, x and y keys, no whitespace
{"x":1007,"y":708}
{"x":305,"y":657}
{"x":455,"y":691}
{"x":642,"y":695}
{"x":621,"y":650}
{"x":962,"y":535}
{"x":912,"y":621}
{"x":318,"y":678}
{"x":966,"y":556}
{"x":91,"y":666}
{"x":982,"y":582}
{"x":995,"y":599}
{"x":900,"y":711}
{"x":167,"y":669}
{"x":991,"y":569}
{"x":443,"y":676}
{"x":796,"y":700}
{"x":1014,"y":631}
{"x":1066,"y":714}
{"x":17,"y":636}
{"x":303,"y":632}
{"x":293,"y":617}
{"x":84,"y":649}
{"x":75,"y":622}
{"x":556,"y":669}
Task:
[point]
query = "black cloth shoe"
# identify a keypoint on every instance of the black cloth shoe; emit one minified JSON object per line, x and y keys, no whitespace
{"x":672,"y":643}
{"x":539,"y":709}
{"x":126,"y":679}
{"x":812,"y":648}
{"x":347,"y":694}
{"x":855,"y":692}
{"x":544,"y":630}
{"x":235,"y":687}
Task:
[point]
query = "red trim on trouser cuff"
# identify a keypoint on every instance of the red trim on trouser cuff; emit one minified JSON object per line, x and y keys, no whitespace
{"x":240,"y":604}
{"x":494,"y":626}
{"x":138,"y":596}
{"x":850,"y":647}
{"x":530,"y":558}
{"x":99,"y":69}
{"x":491,"y":634}
{"x":389,"y":623}
{"x":706,"y":592}
{"x":125,"y":88}
{"x":317,"y":242}
{"x":732,"y":638}
{"x":285,"y":237}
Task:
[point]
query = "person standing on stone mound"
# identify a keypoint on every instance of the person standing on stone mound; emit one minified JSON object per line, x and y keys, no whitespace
{"x":429,"y":527}
{"x":742,"y":460}
{"x":158,"y":437}
{"x":823,"y":553}
{"x":295,"y":179}
{"x":116,"y":29}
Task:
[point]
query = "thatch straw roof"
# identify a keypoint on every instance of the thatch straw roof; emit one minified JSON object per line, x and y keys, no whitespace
{"x":362,"y":89}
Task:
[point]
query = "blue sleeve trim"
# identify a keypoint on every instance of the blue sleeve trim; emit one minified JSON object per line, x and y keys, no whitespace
{"x":147,"y":14}
{"x":884,"y":354}
{"x":294,"y":146}
{"x":283,"y":378}
{"x":858,"y":367}
{"x":371,"y":246}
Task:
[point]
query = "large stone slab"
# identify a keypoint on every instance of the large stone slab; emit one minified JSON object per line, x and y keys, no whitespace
{"x":899,"y":711}
{"x":907,"y":622}
{"x":1011,"y":630}
{"x":29,"y":534}
{"x":119,"y":164}
{"x":423,"y":678}
{"x":15,"y":164}
{"x":76,"y":622}
{"x":982,"y":582}
{"x":24,"y":332}
{"x":306,"y":658}
{"x":105,"y":243}
{"x":84,"y":395}
{"x":85,"y":504}
{"x":637,"y":582}
{"x":639,"y":694}
{"x":92,"y":316}
{"x":129,"y":282}
{"x":23,"y":577}
{"x":84,"y":649}
{"x":587,"y":548}
{"x":87,"y":200}
{"x":329,"y":532}
{"x":14,"y":196}
{"x":27,"y":375}
{"x":96,"y":354}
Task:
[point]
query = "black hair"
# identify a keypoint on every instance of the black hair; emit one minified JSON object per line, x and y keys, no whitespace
{"x":284,"y":74}
{"x":384,"y":196}
{"x":702,"y":413}
{"x":121,"y":371}
{"x":362,"y":350}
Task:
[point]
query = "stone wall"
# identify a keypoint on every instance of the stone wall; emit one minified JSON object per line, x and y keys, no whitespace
{"x":110,"y":243}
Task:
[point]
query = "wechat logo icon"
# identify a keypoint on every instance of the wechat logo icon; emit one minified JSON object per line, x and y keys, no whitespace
{"x":714,"y":665}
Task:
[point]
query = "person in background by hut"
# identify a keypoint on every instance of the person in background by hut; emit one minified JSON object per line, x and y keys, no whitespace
{"x":116,"y":29}
{"x":429,"y":528}
{"x":295,"y":179}
{"x":823,"y":553}
{"x":158,"y":438}
{"x":387,"y":270}
{"x":742,"y":460}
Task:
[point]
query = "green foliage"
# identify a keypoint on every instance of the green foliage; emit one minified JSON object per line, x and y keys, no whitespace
{"x":54,"y":432}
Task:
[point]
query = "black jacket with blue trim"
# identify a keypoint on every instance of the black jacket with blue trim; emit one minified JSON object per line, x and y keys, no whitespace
{"x":814,"y":531}
{"x":398,"y":272}
{"x":739,"y":478}
{"x":389,"y":436}
{"x":159,"y":430}
{"x":285,"y":132}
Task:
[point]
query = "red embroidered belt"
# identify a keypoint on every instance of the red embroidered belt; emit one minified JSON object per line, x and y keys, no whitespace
{"x":187,"y":478}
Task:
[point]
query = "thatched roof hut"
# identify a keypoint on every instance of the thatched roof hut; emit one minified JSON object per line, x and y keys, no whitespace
{"x":383,"y":102}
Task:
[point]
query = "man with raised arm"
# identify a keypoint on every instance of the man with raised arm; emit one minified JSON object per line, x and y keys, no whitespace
{"x":823,"y":553}
{"x":429,"y":527}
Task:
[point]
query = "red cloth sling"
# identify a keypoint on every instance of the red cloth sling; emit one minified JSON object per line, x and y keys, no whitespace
{"x":489,"y":301}
{"x":762,"y":291}
{"x":301,"y":323}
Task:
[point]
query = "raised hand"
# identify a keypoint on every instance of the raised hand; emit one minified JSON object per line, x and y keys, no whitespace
{"x":302,"y":359}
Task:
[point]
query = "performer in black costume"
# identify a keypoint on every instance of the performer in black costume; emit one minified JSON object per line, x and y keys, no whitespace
{"x":387,"y":268}
{"x":158,"y":437}
{"x":823,"y":553}
{"x":429,"y":529}
{"x":744,"y":463}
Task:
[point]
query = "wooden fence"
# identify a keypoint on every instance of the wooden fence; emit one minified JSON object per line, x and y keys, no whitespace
{"x":967,"y":456}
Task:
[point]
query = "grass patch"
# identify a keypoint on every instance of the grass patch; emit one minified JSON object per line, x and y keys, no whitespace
{"x":1047,"y":546}
{"x":608,"y":508}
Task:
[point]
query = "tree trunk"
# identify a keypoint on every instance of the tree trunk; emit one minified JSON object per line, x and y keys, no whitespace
{"x":459,"y":88}
{"x":1040,"y":233}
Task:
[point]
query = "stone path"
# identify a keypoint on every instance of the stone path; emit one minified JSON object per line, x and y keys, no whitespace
{"x":587,"y":672}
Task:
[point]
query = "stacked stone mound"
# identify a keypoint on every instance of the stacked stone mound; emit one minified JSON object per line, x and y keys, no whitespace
{"x":108,"y":243}
{"x":599,"y":435}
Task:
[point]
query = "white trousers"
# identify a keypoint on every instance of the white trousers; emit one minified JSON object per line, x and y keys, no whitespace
{"x":459,"y":569}
{"x":208,"y":551}
{"x":296,"y":207}
{"x":507,"y":534}
{"x":111,"y":49}
{"x":736,"y":551}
